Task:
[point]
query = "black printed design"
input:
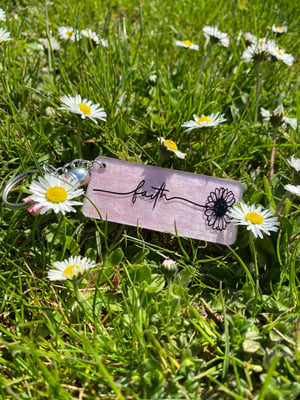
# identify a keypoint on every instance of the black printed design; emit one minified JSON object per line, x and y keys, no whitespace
{"x":217,"y":207}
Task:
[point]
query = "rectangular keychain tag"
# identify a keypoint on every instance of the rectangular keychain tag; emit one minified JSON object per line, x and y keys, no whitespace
{"x":165,"y":200}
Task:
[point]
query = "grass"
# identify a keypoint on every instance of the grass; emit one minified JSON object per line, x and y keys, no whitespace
{"x":226,"y":324}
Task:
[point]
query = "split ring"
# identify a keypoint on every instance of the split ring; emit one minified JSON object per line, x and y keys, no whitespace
{"x":11,"y":184}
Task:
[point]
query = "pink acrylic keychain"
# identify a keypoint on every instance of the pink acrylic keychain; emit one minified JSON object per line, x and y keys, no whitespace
{"x":160,"y":199}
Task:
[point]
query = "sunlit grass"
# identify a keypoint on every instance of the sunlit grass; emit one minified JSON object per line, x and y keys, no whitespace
{"x":225,"y":323}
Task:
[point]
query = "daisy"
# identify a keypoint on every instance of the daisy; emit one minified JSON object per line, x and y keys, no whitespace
{"x":54,"y":193}
{"x":249,"y":37}
{"x":295,"y":163}
{"x":4,"y":35}
{"x":257,"y":50}
{"x":169,"y":267}
{"x":66,"y":32}
{"x":279,"y":54}
{"x":278,"y":117}
{"x":71,"y":268}
{"x":2,"y":15}
{"x":88,"y":33}
{"x":256,"y":220}
{"x":50,"y":43}
{"x":83,"y":107}
{"x":187,"y":44}
{"x":203,"y":121}
{"x":212,"y":33}
{"x":171,"y":146}
{"x":279,"y":29}
{"x":295,"y":189}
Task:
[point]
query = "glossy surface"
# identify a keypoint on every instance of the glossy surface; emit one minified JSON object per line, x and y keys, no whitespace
{"x":191,"y":205}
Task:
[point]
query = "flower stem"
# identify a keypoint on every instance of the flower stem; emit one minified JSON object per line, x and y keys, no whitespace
{"x":273,"y":151}
{"x":257,"y":87}
{"x":162,"y":157}
{"x":254,"y":258}
{"x":205,"y":57}
{"x":79,"y":128}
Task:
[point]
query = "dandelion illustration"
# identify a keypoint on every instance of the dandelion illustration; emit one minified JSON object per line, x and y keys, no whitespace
{"x":257,"y":220}
{"x":217,"y":208}
{"x":204,"y":121}
{"x":54,"y":193}
{"x":71,"y":268}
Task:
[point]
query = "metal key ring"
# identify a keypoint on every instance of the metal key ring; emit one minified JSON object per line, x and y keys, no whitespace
{"x":46,"y":168}
{"x":11,"y":184}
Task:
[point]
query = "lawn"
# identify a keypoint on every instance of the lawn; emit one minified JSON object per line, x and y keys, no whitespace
{"x":93,"y":308}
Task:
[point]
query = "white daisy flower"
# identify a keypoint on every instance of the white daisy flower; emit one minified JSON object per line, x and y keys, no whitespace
{"x":71,"y":268}
{"x":256,"y":220}
{"x":171,"y":146}
{"x":265,"y":114}
{"x":249,"y":37}
{"x":212,"y":33}
{"x":4,"y":35}
{"x":295,"y":189}
{"x":83,"y":107}
{"x":68,"y":33}
{"x":187,"y":44}
{"x":257,"y":50}
{"x":50,"y":43}
{"x":290,"y":121}
{"x":295,"y":163}
{"x":279,"y":29}
{"x":2,"y":15}
{"x":279,"y":54}
{"x":278,"y":117}
{"x":54,"y":193}
{"x":203,"y":121}
{"x":88,"y":33}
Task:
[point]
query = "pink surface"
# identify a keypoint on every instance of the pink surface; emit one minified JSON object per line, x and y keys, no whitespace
{"x":144,"y":197}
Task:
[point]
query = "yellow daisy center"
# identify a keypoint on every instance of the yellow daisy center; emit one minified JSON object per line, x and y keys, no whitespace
{"x":187,"y":43}
{"x":203,"y":119}
{"x":254,"y":218}
{"x":84,"y":108}
{"x":170,"y":145}
{"x":69,"y":33}
{"x":56,"y":194}
{"x":279,"y":52}
{"x":279,"y":28}
{"x":68,"y":272}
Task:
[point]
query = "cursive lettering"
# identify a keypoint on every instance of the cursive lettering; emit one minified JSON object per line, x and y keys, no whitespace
{"x":157,"y":194}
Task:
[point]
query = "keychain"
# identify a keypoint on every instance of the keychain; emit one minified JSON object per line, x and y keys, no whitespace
{"x":68,"y":177}
{"x":160,"y":199}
